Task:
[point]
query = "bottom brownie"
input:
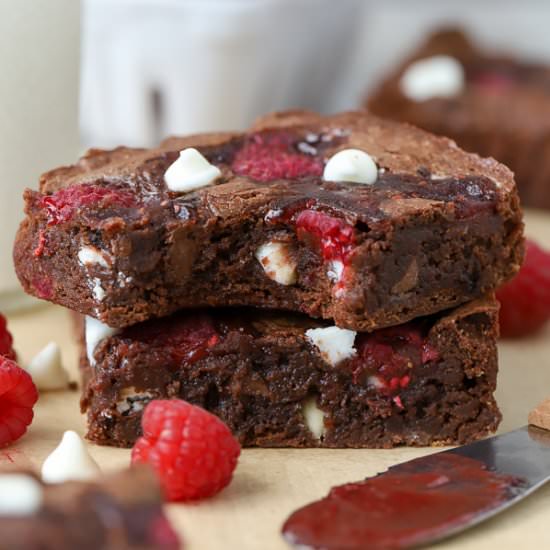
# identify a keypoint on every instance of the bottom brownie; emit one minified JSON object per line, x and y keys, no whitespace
{"x":280,"y":380}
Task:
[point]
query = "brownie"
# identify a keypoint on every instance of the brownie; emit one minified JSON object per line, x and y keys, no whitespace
{"x":502,"y":109}
{"x":438,"y":228}
{"x":281,"y":380}
{"x":122,"y":511}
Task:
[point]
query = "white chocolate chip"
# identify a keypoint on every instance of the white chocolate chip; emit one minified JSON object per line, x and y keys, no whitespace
{"x":70,"y":460}
{"x":335,"y":344}
{"x":90,"y":255}
{"x":20,"y":495}
{"x":95,"y":332}
{"x":123,"y":279}
{"x":277,"y":262}
{"x":97,"y":290}
{"x":437,"y":76}
{"x":132,"y":400}
{"x":314,"y":417}
{"x":351,"y":165}
{"x":47,"y":369}
{"x":273,"y":214}
{"x":376,"y":382}
{"x":335,"y":270}
{"x":190,"y":171}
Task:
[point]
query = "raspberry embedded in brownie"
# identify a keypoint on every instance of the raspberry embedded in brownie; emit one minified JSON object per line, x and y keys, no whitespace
{"x":187,"y":337}
{"x":268,"y":156}
{"x":435,"y":227}
{"x":65,"y":203}
{"x":386,"y":358}
{"x":283,"y":380}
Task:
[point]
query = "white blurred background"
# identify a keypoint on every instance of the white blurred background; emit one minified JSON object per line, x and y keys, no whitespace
{"x":105,"y":72}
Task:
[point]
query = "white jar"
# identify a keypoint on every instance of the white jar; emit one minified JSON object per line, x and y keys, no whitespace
{"x":157,"y":67}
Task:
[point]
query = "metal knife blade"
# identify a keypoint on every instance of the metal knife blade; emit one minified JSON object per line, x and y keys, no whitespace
{"x":523,"y":453}
{"x":511,"y":466}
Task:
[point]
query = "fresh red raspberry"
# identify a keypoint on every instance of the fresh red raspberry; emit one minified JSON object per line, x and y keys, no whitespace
{"x":270,"y":156}
{"x":525,"y":300}
{"x":18,"y":395}
{"x":192,"y":451}
{"x":62,"y":205}
{"x":6,"y":340}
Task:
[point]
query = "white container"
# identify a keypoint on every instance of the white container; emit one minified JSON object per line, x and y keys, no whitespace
{"x":39,"y":51}
{"x":157,"y":67}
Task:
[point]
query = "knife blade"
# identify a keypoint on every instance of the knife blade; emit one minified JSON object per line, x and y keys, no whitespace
{"x":426,"y":499}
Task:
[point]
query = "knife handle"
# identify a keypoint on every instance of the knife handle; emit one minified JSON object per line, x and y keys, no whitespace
{"x":540,"y":415}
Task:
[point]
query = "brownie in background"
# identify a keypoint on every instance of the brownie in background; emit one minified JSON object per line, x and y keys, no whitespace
{"x":500,"y":109}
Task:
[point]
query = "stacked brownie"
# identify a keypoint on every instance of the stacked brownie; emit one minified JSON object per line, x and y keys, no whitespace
{"x":315,"y":281}
{"x":490,"y":103}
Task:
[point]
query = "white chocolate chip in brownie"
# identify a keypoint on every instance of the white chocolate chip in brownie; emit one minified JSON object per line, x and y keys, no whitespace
{"x":190,"y":171}
{"x":437,"y":76}
{"x":376,"y":381}
{"x":90,"y":255}
{"x":97,"y":289}
{"x":70,"y":460}
{"x":95,"y":332}
{"x":20,"y":495}
{"x":335,"y":344}
{"x":335,"y":270}
{"x":46,"y":369}
{"x":314,"y":417}
{"x":131,"y":400}
{"x":277,"y":262}
{"x":351,"y":165}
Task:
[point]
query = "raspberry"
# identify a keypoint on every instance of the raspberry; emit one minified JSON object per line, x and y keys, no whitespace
{"x":335,"y":236}
{"x":192,"y":451}
{"x":187,"y":338}
{"x":273,"y":155}
{"x":525,"y":300}
{"x":385,"y":358}
{"x":43,"y":287}
{"x":493,"y":82}
{"x":62,"y":204}
{"x":18,"y":395}
{"x":6,"y":340}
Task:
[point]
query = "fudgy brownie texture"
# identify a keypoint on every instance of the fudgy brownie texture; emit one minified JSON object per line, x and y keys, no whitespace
{"x":122,"y":511}
{"x":278,"y":382}
{"x":503,"y":110}
{"x":439,"y":227}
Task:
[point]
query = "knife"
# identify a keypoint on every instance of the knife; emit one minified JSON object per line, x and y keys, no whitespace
{"x":427,"y":499}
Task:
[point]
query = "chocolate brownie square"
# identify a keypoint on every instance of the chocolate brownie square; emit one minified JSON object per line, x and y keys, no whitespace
{"x":349,"y":218}
{"x":492,"y":104}
{"x":120,"y":511}
{"x":281,"y":380}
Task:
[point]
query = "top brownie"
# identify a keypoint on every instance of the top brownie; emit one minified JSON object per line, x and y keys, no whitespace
{"x":493,"y":104}
{"x":438,"y":227}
